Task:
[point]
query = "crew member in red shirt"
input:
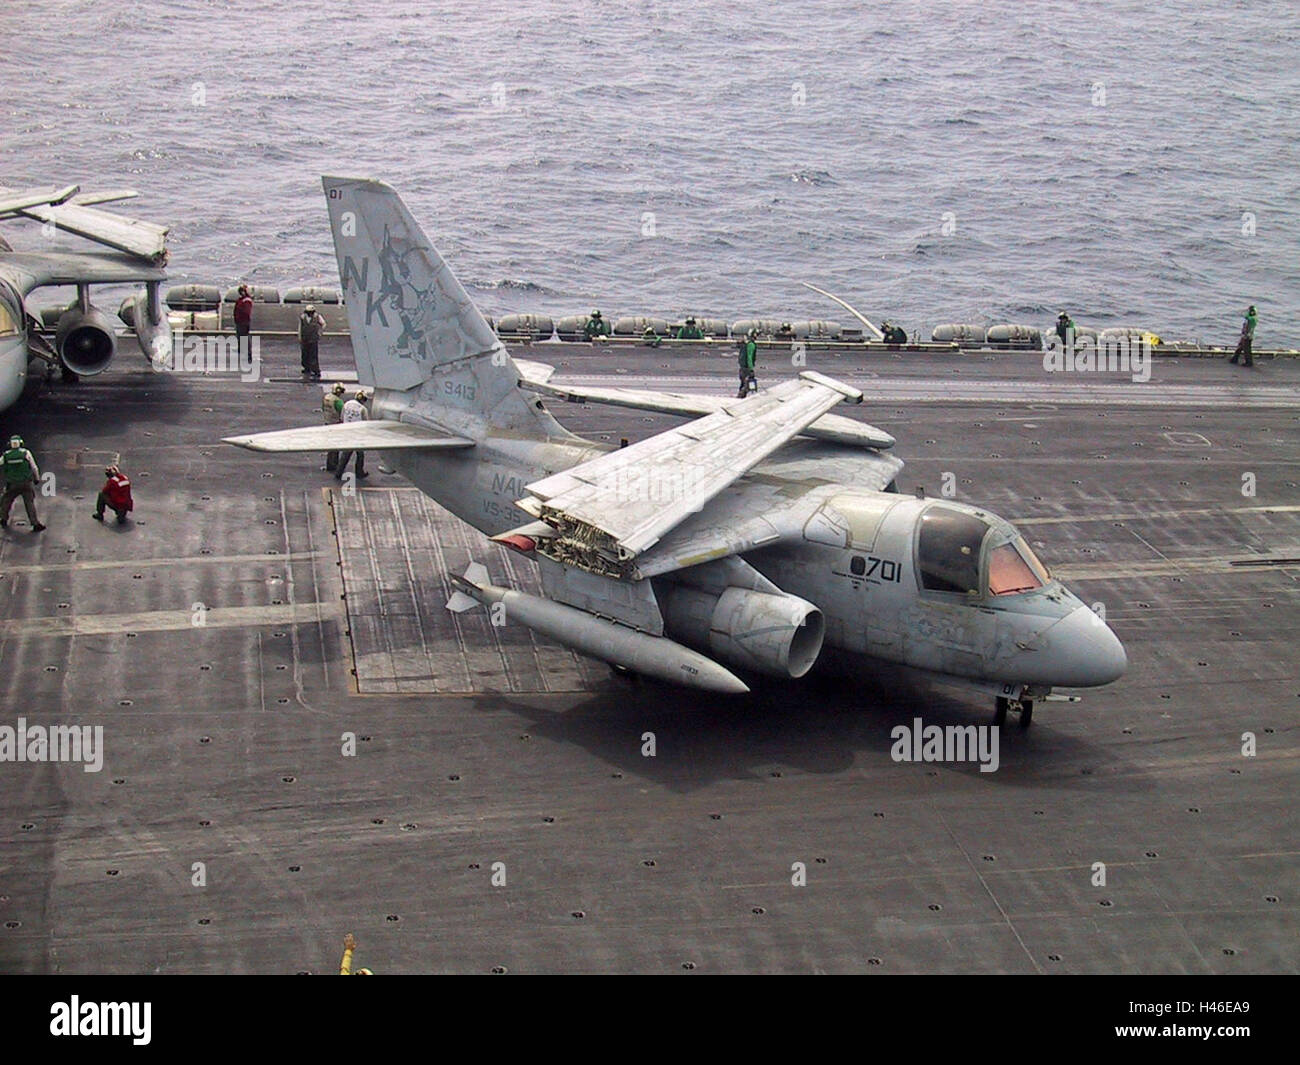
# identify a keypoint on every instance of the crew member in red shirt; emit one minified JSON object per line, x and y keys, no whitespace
{"x":243,"y":320}
{"x":116,"y":493}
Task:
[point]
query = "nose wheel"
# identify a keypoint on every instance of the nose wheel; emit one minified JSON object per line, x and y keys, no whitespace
{"x":1024,"y":707}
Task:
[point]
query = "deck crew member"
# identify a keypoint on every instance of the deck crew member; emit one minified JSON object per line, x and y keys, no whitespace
{"x":331,"y":409}
{"x":748,"y":359}
{"x":116,"y":493}
{"x":354,"y":410}
{"x":786,"y":332}
{"x":689,"y":330}
{"x":21,"y":474}
{"x":1247,"y":337}
{"x":311,"y":325}
{"x":596,"y":326}
{"x":1065,"y":328}
{"x":650,"y":338}
{"x":243,"y":323}
{"x":892,"y":333}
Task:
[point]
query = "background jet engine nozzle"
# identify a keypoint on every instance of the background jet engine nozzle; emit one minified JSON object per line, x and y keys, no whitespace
{"x":85,"y":340}
{"x":651,"y":656}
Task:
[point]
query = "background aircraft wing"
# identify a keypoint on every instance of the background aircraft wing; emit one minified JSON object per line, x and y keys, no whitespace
{"x":29,"y":270}
{"x":66,"y":209}
{"x":15,"y":201}
{"x":832,"y":427}
{"x":623,"y":502}
{"x":85,"y":199}
{"x":377,"y":435}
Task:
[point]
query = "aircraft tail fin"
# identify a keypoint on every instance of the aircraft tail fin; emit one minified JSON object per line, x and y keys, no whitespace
{"x":407,"y":312}
{"x":412,"y":323}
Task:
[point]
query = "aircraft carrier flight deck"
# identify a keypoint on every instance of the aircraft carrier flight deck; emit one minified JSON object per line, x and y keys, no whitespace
{"x":300,"y":741}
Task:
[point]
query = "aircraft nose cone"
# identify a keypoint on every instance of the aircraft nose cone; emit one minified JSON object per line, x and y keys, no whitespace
{"x":1083,"y":652}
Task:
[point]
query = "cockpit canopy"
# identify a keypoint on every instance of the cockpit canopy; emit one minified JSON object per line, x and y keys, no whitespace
{"x":949,"y":550}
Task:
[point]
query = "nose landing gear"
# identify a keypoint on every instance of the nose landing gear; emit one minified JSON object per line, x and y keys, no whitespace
{"x":1024,"y":707}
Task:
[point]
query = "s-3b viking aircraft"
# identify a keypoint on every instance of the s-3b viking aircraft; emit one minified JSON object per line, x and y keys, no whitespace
{"x":761,"y":538}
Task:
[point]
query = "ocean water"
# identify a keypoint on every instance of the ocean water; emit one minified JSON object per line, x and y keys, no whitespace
{"x":1133,"y":162}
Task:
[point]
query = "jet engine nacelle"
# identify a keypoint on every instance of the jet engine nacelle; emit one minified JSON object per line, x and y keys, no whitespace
{"x":85,"y":340}
{"x":779,"y":635}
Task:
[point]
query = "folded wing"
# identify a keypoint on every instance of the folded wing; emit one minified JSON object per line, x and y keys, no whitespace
{"x":611,"y":509}
{"x":831,"y":427}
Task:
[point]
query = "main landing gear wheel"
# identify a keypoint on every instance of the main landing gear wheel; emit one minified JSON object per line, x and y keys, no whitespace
{"x":1000,"y":711}
{"x":1026,"y":712}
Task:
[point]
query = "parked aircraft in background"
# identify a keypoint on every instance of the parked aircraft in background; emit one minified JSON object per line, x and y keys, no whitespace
{"x":84,"y":339}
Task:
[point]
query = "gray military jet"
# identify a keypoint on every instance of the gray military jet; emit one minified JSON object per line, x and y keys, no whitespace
{"x":763,"y":537}
{"x":85,"y":340}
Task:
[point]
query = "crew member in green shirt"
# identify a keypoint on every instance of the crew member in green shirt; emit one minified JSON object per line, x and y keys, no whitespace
{"x":1247,"y":337}
{"x":689,"y":331}
{"x":1064,"y":328}
{"x":748,"y":359}
{"x":21,"y":474}
{"x":596,"y":326}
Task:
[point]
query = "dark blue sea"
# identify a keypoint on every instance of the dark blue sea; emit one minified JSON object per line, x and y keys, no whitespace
{"x":1133,"y":162}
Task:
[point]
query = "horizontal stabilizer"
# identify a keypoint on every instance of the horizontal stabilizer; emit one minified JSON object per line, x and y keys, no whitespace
{"x":378,"y":435}
{"x":534,"y":372}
